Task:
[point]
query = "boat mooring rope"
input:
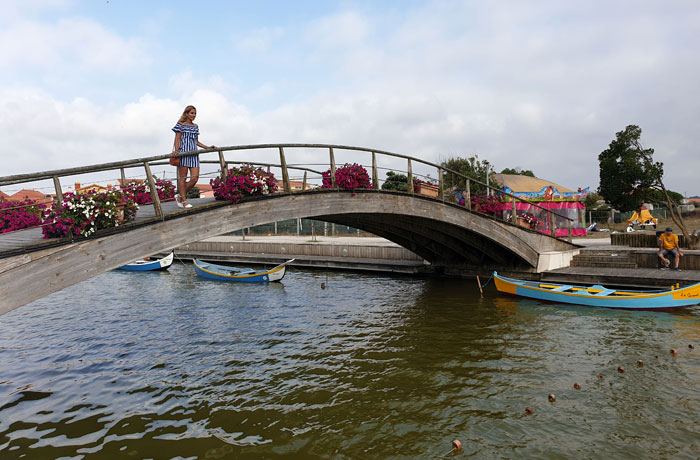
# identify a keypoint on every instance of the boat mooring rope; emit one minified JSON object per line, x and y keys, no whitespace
{"x":487,"y":282}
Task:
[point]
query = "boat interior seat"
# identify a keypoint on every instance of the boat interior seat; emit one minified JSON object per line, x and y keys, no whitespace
{"x":605,"y":292}
{"x":565,"y":287}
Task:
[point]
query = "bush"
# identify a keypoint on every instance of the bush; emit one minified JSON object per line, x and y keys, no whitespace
{"x":86,"y":213}
{"x":243,"y":182}
{"x":140,"y":193}
{"x":348,"y":177}
{"x":16,"y":215}
{"x":399,"y":182}
{"x":193,"y":193}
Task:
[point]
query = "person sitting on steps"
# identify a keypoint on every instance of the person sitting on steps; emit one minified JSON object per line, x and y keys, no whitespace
{"x":668,"y":244}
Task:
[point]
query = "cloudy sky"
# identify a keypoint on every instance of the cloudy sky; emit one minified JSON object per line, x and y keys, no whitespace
{"x":538,"y":85}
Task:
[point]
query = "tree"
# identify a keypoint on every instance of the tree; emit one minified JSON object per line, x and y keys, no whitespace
{"x":471,"y":167}
{"x":518,"y":171}
{"x":395,"y":181}
{"x":629,"y":176}
{"x":592,"y":200}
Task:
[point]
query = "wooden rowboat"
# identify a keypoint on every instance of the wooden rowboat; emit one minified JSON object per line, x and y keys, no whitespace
{"x":599,"y":296}
{"x":240,"y":275}
{"x":149,"y":265}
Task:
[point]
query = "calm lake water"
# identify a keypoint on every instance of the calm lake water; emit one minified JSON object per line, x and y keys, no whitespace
{"x":167,"y":365}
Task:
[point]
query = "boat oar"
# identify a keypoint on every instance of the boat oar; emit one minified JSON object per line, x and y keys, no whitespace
{"x":479,"y":282}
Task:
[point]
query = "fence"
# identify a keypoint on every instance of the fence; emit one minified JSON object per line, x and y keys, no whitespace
{"x":441,"y":184}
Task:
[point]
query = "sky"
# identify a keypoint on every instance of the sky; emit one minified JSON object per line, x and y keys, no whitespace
{"x":539,"y":85}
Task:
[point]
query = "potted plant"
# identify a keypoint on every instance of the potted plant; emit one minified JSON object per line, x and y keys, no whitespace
{"x":83,"y":214}
{"x":17,"y":215}
{"x":140,"y":192}
{"x":348,"y":177}
{"x":242,"y":182}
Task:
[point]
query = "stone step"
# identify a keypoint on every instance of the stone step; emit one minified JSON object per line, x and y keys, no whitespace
{"x":609,"y":264}
{"x":603,"y":259}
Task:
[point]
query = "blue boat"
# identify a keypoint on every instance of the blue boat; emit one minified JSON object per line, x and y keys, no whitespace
{"x":600,"y":296}
{"x":239,"y":275}
{"x":149,"y":265}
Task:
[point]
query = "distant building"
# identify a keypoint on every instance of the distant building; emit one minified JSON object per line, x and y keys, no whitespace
{"x":205,"y":191}
{"x":548,"y":195}
{"x":296,"y":185}
{"x":4,"y":196}
{"x":33,"y":195}
{"x":91,"y":188}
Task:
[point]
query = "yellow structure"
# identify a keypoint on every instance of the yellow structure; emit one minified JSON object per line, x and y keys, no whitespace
{"x":643,"y":217}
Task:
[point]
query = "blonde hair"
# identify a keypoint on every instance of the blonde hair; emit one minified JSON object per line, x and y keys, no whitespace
{"x":183,"y":117}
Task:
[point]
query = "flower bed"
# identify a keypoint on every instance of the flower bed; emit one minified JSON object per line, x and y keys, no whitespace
{"x":85,"y":214}
{"x":140,"y":193}
{"x":348,"y":177}
{"x":487,"y":204}
{"x":243,"y":182}
{"x":17,"y":215}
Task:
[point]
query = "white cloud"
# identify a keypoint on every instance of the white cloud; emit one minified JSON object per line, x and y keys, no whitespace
{"x":541,"y":88}
{"x":344,"y":29}
{"x":259,"y":40}
{"x":77,"y":44}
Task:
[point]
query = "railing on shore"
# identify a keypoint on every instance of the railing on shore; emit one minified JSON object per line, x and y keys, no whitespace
{"x":505,"y":212}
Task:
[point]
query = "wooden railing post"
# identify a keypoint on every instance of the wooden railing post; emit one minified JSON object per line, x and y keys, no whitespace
{"x":375,"y":174}
{"x":285,"y":172}
{"x":468,"y":198}
{"x":222,"y":164}
{"x":441,"y":184}
{"x":514,"y":217}
{"x":59,"y":192}
{"x":303,"y":183}
{"x":552,"y":230}
{"x":123,"y":185}
{"x":409,"y":184}
{"x":332,"y":168}
{"x":154,"y":191}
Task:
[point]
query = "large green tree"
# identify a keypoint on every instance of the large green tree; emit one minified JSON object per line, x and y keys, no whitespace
{"x":629,"y":176}
{"x":472,"y":167}
{"x":518,"y":171}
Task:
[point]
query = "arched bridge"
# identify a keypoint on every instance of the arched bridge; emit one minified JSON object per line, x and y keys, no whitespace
{"x":445,"y":234}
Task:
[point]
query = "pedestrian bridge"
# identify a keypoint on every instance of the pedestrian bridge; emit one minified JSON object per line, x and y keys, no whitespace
{"x":447,"y":235}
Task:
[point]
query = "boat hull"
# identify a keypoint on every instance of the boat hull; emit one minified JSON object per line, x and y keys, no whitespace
{"x":151,"y":265}
{"x":234,"y":275}
{"x":598,"y":296}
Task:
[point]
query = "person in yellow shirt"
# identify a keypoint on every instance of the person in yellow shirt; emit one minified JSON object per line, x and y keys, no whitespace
{"x":668,"y":245}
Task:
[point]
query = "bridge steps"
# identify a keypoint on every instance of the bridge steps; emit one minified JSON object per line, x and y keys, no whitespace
{"x":600,"y":258}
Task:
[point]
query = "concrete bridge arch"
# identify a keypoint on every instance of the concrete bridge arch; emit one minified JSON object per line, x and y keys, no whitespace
{"x":446,"y":235}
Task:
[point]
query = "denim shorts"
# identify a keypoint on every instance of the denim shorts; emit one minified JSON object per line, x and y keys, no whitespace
{"x":666,"y":252}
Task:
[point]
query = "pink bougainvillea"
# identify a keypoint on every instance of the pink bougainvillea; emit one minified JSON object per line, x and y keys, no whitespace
{"x":85,"y":213}
{"x":348,"y":177}
{"x":16,"y":215}
{"x":243,"y":182}
{"x":489,"y":204}
{"x":140,"y":193}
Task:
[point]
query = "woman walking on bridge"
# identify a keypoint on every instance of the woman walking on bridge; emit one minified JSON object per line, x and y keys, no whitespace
{"x":187,"y":140}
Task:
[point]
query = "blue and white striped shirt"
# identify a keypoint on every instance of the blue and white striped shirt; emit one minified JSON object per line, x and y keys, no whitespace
{"x":188,"y":143}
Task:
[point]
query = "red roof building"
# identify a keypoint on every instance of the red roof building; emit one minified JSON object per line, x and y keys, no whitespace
{"x":4,"y":196}
{"x":34,"y":195}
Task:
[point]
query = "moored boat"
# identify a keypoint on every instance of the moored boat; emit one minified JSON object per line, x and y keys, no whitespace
{"x":600,"y":296}
{"x":149,"y":265}
{"x":240,"y":275}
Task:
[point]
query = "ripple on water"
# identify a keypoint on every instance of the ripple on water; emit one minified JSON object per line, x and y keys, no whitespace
{"x":371,"y":367}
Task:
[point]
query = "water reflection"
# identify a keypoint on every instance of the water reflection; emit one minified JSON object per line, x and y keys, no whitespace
{"x":370,"y":367}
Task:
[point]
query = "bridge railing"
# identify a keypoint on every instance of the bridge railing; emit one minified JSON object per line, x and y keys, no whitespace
{"x":492,"y":201}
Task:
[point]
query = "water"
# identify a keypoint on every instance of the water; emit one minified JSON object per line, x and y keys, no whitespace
{"x":166,"y":365}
